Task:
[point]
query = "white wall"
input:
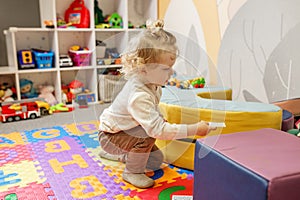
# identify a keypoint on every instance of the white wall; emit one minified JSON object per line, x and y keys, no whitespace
{"x":257,"y":50}
{"x":259,"y":53}
{"x":182,"y":19}
{"x":17,"y":13}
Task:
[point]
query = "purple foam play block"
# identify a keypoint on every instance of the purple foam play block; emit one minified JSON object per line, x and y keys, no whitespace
{"x":262,"y":155}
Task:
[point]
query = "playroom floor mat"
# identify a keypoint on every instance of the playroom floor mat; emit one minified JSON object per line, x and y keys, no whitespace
{"x":62,"y":163}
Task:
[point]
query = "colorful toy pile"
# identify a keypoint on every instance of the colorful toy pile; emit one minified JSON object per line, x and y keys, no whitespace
{"x":198,"y":82}
{"x":7,"y":92}
{"x":179,"y":83}
{"x":81,"y":56}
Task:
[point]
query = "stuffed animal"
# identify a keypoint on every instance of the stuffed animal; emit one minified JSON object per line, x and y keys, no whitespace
{"x":27,"y":89}
{"x":46,"y":92}
{"x":76,"y":87}
{"x":6,"y":95}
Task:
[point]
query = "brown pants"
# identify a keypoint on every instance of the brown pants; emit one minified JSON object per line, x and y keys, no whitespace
{"x":140,"y":149}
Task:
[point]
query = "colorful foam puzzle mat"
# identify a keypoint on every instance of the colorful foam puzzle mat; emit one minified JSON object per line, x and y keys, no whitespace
{"x":62,"y":163}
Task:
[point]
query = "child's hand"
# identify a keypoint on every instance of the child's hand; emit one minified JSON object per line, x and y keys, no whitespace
{"x":203,"y":128}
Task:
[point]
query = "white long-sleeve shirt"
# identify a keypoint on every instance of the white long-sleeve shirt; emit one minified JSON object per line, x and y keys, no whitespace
{"x":137,"y":104}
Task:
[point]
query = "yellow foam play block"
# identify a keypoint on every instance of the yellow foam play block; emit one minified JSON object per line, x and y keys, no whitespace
{"x":238,"y":117}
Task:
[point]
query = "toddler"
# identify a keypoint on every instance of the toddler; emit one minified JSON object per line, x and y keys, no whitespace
{"x":132,"y":123}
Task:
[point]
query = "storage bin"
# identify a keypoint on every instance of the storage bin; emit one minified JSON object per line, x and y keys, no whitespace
{"x":81,"y":58}
{"x":43,"y":59}
{"x":110,"y":86}
{"x":100,"y":51}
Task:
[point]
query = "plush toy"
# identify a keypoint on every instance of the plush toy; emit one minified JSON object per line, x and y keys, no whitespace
{"x":76,"y":87}
{"x":46,"y":92}
{"x":27,"y":89}
{"x":6,"y":95}
{"x":71,"y":90}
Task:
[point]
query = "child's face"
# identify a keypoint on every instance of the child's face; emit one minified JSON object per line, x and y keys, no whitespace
{"x":26,"y":88}
{"x":168,"y":59}
{"x":159,"y":73}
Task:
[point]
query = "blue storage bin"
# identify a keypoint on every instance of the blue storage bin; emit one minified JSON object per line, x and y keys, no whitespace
{"x":43,"y":59}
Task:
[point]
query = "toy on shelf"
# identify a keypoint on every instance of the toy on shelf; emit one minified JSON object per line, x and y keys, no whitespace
{"x":80,"y":56}
{"x":46,"y":92}
{"x":43,"y":58}
{"x":102,"y":25}
{"x":6,"y":93}
{"x":198,"y":82}
{"x":71,"y":90}
{"x":65,"y":61}
{"x":110,"y":21}
{"x":75,"y":91}
{"x":27,"y":89}
{"x":76,"y":87}
{"x":25,"y":59}
{"x":178,"y":83}
{"x":78,"y":15}
{"x":131,"y":25}
{"x":112,"y":56}
{"x":115,"y":21}
{"x":77,"y":48}
{"x":49,"y":24}
{"x":61,"y":23}
{"x":99,"y":18}
{"x":35,"y":58}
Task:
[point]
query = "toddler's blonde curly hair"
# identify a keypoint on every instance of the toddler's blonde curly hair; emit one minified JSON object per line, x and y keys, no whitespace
{"x":147,"y":47}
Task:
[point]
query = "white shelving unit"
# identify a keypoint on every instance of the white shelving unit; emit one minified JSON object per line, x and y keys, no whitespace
{"x":59,"y":40}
